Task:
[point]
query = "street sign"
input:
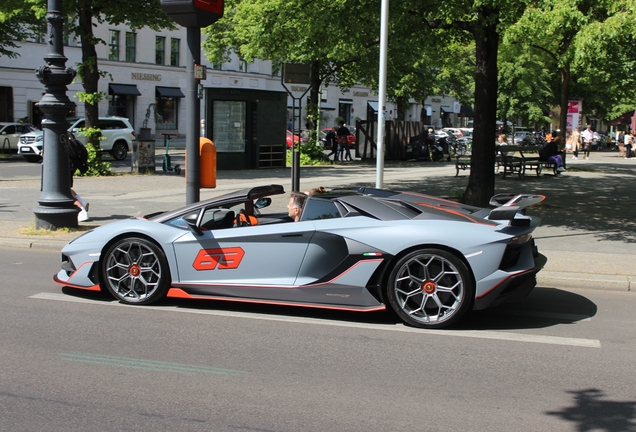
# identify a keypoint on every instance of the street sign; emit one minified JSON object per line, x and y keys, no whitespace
{"x":294,"y":73}
{"x":200,"y":72}
{"x":193,"y":13}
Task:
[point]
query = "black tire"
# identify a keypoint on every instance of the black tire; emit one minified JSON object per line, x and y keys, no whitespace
{"x":119,"y":150}
{"x":33,"y":159}
{"x":177,"y":169}
{"x":430,"y":288}
{"x":135,"y":271}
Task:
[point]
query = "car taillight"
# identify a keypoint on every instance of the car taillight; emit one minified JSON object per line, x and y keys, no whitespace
{"x":133,"y":133}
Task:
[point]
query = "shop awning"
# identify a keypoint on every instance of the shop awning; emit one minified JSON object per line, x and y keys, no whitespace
{"x":123,"y":90}
{"x":446,"y":109}
{"x":625,"y":119}
{"x":467,"y":111}
{"x":373,"y":105}
{"x":169,"y":92}
{"x":326,"y":106}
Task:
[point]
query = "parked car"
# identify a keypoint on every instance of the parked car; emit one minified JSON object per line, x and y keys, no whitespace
{"x":10,"y":135}
{"x":118,"y":135}
{"x":292,"y":138}
{"x":520,"y":136}
{"x":358,"y":249}
{"x":455,"y":131}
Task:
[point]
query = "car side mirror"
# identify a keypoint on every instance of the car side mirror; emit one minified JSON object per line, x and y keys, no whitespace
{"x":262,"y":203}
{"x":191,"y":220}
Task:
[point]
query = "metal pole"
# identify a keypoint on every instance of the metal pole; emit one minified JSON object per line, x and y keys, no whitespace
{"x":384,"y":37}
{"x":193,"y":115}
{"x":296,"y":149}
{"x":56,"y":207}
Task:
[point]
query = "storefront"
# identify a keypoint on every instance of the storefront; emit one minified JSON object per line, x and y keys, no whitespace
{"x":247,"y":127}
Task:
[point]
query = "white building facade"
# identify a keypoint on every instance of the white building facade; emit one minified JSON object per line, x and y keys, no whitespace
{"x":146,"y":81}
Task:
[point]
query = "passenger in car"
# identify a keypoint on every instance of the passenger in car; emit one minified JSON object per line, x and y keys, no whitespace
{"x":316,"y":190}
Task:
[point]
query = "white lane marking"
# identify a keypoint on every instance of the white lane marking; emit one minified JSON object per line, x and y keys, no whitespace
{"x":476,"y":334}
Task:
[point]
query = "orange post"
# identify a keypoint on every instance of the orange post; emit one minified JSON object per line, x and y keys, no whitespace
{"x":207,"y":150}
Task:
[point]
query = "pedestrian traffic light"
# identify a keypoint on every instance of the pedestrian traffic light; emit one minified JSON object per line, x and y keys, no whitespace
{"x":193,"y":13}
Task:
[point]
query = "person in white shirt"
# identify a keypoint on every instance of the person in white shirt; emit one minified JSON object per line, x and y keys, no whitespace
{"x":588,"y":137}
{"x":628,"y":144}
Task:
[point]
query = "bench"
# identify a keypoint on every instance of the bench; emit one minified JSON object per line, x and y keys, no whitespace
{"x":463,"y":162}
{"x":528,"y":159}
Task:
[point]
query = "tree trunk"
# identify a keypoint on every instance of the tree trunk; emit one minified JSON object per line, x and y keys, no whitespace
{"x":565,"y":95}
{"x":481,"y":182}
{"x":90,"y":72}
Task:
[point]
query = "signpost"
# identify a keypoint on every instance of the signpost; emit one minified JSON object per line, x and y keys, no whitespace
{"x":193,"y":14}
{"x":296,"y":74}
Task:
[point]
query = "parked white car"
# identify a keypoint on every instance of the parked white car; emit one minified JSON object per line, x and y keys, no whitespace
{"x":10,"y":135}
{"x":118,"y":135}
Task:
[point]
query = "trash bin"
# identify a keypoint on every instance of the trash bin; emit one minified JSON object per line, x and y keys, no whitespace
{"x":143,"y":156}
{"x":207,"y":152}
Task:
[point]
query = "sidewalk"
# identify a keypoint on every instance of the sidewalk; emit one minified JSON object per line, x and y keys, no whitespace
{"x":588,"y":229}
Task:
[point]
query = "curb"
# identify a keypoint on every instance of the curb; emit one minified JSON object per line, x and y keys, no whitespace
{"x":599,"y":282}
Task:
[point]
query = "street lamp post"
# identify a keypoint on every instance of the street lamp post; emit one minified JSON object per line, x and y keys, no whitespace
{"x":56,"y":208}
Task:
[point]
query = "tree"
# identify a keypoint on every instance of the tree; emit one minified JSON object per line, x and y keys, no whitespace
{"x":590,"y":45}
{"x":83,"y":15}
{"x":339,"y":40}
{"x":17,"y":24}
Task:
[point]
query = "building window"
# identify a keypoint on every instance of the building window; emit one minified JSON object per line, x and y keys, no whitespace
{"x":160,"y":50}
{"x":167,"y":109}
{"x":131,"y":47}
{"x":242,"y":65}
{"x":217,"y":66}
{"x":174,"y":51}
{"x":113,"y":45}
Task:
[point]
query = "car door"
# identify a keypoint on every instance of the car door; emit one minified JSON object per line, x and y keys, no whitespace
{"x":10,"y":137}
{"x":259,"y":255}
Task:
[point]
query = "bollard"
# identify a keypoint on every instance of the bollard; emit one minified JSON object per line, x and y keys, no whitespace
{"x":207,"y":151}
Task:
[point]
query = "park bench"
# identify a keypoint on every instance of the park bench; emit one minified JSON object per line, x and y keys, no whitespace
{"x":519,"y":159}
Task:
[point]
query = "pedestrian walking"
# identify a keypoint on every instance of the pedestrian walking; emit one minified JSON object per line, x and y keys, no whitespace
{"x":332,"y":142}
{"x":575,"y":142}
{"x":343,"y":133}
{"x":629,"y":140}
{"x":588,"y":137}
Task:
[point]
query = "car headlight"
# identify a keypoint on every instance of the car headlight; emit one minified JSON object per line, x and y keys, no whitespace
{"x":39,"y":138}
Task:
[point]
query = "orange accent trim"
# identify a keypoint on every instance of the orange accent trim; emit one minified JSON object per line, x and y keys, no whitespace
{"x":85,"y":288}
{"x":454,"y":212}
{"x":178,"y":293}
{"x":520,"y":272}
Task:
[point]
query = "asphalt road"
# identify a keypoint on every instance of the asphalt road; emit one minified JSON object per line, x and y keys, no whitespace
{"x":70,"y":360}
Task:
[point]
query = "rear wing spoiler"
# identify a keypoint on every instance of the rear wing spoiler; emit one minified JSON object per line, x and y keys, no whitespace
{"x":507,"y":206}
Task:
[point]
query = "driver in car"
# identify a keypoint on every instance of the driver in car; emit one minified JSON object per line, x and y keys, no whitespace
{"x":295,"y":206}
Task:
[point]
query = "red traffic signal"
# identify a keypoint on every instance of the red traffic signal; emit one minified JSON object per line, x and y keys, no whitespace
{"x":193,"y":13}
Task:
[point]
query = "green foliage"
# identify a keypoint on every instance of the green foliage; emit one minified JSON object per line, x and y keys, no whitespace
{"x":91,"y":98}
{"x":18,"y":23}
{"x":96,"y":167}
{"x":310,"y":154}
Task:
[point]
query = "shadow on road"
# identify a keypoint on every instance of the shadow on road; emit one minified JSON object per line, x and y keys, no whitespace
{"x":543,"y":308}
{"x":591,"y":412}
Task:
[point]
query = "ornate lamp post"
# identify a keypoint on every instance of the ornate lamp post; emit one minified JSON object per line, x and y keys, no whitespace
{"x":55,"y":209}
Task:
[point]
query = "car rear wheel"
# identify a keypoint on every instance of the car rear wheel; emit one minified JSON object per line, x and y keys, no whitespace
{"x":135,"y":271}
{"x":120,"y":150}
{"x":430,"y":288}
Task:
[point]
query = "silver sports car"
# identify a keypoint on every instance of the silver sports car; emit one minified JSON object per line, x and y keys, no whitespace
{"x":428,"y":259}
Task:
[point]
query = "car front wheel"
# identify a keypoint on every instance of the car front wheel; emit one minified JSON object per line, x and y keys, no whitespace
{"x":33,"y":159}
{"x":135,"y":271}
{"x":119,"y":151}
{"x":430,"y":288}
